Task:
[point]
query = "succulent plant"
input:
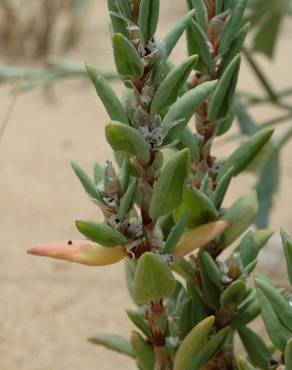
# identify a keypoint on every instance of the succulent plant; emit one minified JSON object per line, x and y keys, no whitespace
{"x":163,"y":204}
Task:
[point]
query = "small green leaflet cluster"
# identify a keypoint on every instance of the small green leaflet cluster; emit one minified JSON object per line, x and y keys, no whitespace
{"x":166,"y":201}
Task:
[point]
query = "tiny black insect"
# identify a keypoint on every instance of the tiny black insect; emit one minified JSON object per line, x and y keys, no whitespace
{"x":70,"y":242}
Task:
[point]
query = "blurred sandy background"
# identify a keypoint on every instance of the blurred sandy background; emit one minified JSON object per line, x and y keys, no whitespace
{"x":48,"y":308}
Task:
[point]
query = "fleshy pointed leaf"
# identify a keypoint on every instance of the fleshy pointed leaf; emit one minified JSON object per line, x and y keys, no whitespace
{"x":193,"y":343}
{"x":153,"y":279}
{"x":98,"y":173}
{"x":186,"y":106}
{"x":110,"y":101}
{"x":201,"y":210}
{"x":232,"y":25}
{"x":212,"y":269}
{"x":80,"y":251}
{"x":233,"y":294}
{"x":138,"y":320}
{"x":88,"y":184}
{"x":200,"y":13}
{"x":244,"y":155}
{"x":278,"y":333}
{"x":113,"y":342}
{"x":148,"y":18}
{"x":128,"y":198}
{"x":177,"y":30}
{"x":127,"y":139}
{"x":198,"y":237}
{"x":240,"y":215}
{"x":251,"y":245}
{"x":203,"y":44}
{"x":287,"y":246}
{"x":167,"y":194}
{"x":118,"y":24}
{"x":128,"y":61}
{"x":255,"y":347}
{"x":101,"y":233}
{"x":210,"y":289}
{"x":176,"y":233}
{"x":288,"y":355}
{"x":143,"y":351}
{"x":222,"y":187}
{"x":172,"y":85}
{"x":235,"y":47}
{"x":224,"y":93}
{"x":243,"y":364}
{"x":281,"y":305}
{"x":210,"y":349}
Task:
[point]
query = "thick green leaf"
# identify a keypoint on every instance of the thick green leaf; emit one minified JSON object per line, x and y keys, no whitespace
{"x":199,"y":310}
{"x":138,"y":320}
{"x":167,"y":194}
{"x":127,"y":139}
{"x":148,"y":18}
{"x":185,"y":320}
{"x":212,"y":269}
{"x":210,"y":349}
{"x":243,"y":364}
{"x":233,"y":294}
{"x":113,"y":342}
{"x":172,"y":85}
{"x":176,"y":233}
{"x":125,"y":174}
{"x":192,"y":344}
{"x":143,"y":351}
{"x":201,"y":13}
{"x":287,"y":246}
{"x":88,"y":184}
{"x":130,"y":275}
{"x":210,"y":289}
{"x":128,"y":61}
{"x":232,"y":25}
{"x":176,"y":31}
{"x":110,"y":101}
{"x":246,"y":313}
{"x":198,"y":237}
{"x":280,"y":304}
{"x":128,"y":198}
{"x":235,"y":47}
{"x":224,"y":92}
{"x":288,"y":355}
{"x":189,"y":140}
{"x":222,"y":187}
{"x":201,"y":210}
{"x":278,"y":333}
{"x":101,"y":233}
{"x":118,"y":24}
{"x":153,"y":279}
{"x":186,"y":106}
{"x":125,"y":8}
{"x":255,"y":347}
{"x":203,"y":45}
{"x":244,"y":155}
{"x":240,"y":215}
{"x":251,"y":245}
{"x":98,"y":173}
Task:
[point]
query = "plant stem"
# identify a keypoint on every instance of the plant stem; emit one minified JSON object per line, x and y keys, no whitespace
{"x":157,"y":321}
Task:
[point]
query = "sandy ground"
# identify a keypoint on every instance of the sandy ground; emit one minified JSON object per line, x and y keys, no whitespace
{"x":48,"y":308}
